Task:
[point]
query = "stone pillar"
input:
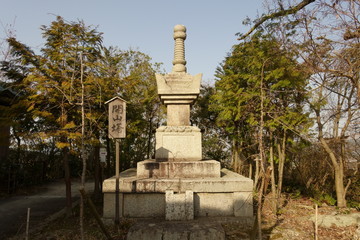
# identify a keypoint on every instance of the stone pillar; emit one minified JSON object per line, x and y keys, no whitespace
{"x":178,"y":90}
{"x":179,"y":49}
{"x":178,"y":115}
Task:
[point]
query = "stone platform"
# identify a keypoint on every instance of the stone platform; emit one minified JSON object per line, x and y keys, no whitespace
{"x":186,"y":169}
{"x":229,"y":195}
{"x":201,"y":228}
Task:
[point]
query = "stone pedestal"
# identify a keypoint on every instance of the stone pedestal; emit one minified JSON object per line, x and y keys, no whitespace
{"x":229,"y":195}
{"x":178,"y":143}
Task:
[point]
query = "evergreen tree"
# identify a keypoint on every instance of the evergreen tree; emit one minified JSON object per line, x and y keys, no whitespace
{"x":260,"y":93}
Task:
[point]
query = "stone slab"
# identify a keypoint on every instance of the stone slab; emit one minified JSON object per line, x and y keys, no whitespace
{"x":140,"y":205}
{"x":178,"y":84}
{"x":135,"y":205}
{"x":178,"y":143}
{"x":340,"y":220}
{"x":243,"y":204}
{"x":189,"y":230}
{"x":238,"y":204}
{"x":179,"y":206}
{"x":194,"y":169}
{"x":228,"y":182}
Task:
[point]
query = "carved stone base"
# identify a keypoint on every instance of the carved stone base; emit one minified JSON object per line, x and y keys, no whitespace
{"x":178,"y":143}
{"x":192,"y":169}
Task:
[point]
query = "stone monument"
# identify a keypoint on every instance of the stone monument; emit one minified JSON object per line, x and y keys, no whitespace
{"x":178,"y":184}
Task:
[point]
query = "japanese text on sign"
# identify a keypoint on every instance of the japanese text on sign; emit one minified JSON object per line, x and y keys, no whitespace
{"x":117,"y":117}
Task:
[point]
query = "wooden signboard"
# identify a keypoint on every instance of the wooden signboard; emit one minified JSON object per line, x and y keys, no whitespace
{"x":117,"y":117}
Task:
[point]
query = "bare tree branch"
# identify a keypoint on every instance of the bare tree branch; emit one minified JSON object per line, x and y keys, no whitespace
{"x":281,"y":13}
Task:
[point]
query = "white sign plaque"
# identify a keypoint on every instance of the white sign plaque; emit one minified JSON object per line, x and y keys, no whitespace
{"x":103,"y":154}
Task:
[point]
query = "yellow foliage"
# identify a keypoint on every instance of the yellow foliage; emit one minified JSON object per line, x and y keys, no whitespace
{"x":69,"y":125}
{"x":31,"y":107}
{"x":74,"y":135}
{"x":43,"y":135}
{"x":62,"y":145}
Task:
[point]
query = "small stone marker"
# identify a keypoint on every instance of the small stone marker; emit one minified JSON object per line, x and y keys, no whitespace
{"x":179,"y":206}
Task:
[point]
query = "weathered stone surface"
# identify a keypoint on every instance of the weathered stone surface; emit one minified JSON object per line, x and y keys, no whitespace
{"x":193,"y":169}
{"x":135,"y":205}
{"x":238,"y":204}
{"x":214,"y":204}
{"x":178,"y":86}
{"x":179,"y":206}
{"x":229,"y":195}
{"x":193,"y":230}
{"x":338,"y":220}
{"x":181,"y":143}
{"x":180,"y":115}
{"x":228,"y":182}
{"x":148,"y":232}
{"x":178,"y":91}
{"x":179,"y":50}
{"x":243,"y":204}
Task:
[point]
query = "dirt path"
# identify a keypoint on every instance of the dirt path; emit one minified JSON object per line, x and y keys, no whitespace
{"x":48,"y":200}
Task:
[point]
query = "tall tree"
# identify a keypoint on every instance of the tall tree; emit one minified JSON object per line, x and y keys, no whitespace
{"x":259,"y":98}
{"x":53,"y":81}
{"x":330,"y":51}
{"x":326,"y":37}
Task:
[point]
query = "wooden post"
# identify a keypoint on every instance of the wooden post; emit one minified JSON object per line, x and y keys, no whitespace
{"x":316,"y":222}
{"x":117,"y":172}
{"x":27,"y":224}
{"x":117,"y":130}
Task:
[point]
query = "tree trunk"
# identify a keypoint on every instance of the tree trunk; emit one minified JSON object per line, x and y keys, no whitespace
{"x":339,"y":174}
{"x":236,"y":162}
{"x":83,"y":154}
{"x":67,"y":181}
{"x":339,"y":187}
{"x":273,"y":183}
{"x":256,"y":177}
{"x":97,"y":182}
{"x":281,"y":150}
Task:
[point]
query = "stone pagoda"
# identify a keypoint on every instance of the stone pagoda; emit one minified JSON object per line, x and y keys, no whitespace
{"x":178,"y":184}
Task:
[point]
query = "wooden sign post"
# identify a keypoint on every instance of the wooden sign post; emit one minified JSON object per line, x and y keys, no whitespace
{"x":117,"y":130}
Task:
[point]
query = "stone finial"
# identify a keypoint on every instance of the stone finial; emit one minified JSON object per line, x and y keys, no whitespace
{"x":179,"y":50}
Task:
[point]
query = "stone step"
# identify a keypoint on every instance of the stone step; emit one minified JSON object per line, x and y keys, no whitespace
{"x":193,"y":169}
{"x":176,"y":230}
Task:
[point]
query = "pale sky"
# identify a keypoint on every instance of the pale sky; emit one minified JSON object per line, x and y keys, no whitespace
{"x":144,"y":25}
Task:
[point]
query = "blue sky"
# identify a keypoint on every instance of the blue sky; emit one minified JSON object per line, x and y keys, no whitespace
{"x":145,"y":25}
